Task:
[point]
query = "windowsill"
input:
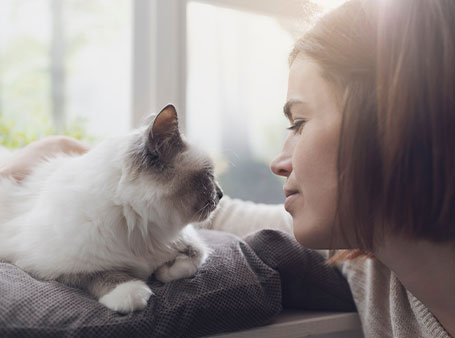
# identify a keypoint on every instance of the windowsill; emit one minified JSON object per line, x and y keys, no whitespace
{"x":291,"y":324}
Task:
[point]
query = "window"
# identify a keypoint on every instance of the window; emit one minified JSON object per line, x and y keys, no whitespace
{"x":65,"y":64}
{"x":237,"y":68}
{"x":237,"y":78}
{"x":98,"y":67}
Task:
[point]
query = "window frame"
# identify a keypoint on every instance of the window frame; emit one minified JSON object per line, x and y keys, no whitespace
{"x":159,"y":49}
{"x":158,"y":57}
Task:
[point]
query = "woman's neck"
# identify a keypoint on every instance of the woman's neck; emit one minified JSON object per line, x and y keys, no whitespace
{"x":427,"y":270}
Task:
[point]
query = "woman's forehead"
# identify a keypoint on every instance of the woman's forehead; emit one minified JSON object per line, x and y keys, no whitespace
{"x":307,"y":85}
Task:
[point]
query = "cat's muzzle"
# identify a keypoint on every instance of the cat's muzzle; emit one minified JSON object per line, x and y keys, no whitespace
{"x":219,"y":192}
{"x":211,"y":204}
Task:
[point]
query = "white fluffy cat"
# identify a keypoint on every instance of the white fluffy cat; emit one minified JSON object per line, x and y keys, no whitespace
{"x":106,"y":220}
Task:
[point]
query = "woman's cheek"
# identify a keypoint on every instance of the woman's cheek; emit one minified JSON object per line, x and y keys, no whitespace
{"x":315,"y":172}
{"x":306,"y":158}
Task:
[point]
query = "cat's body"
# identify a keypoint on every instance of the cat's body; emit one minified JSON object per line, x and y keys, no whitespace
{"x":105,"y":221}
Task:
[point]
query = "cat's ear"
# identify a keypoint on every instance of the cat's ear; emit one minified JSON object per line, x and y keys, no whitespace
{"x":163,"y":136}
{"x":165,"y":123}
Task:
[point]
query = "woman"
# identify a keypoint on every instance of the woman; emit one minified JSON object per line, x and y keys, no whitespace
{"x":369,"y":160}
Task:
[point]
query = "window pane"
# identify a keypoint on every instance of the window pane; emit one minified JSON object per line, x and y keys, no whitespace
{"x":237,"y":79}
{"x":24,"y":63}
{"x":67,"y":59}
{"x":99,"y":64}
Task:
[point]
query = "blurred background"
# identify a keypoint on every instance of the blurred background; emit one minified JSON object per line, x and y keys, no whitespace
{"x":93,"y":69}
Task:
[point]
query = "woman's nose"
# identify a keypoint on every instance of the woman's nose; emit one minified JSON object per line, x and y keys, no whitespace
{"x":282,"y":165}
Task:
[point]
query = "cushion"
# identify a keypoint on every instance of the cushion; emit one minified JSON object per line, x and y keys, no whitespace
{"x":307,"y":282}
{"x":243,"y":284}
{"x":233,"y":290}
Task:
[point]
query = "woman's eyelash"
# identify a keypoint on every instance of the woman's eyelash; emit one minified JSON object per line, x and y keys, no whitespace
{"x":297,"y":125}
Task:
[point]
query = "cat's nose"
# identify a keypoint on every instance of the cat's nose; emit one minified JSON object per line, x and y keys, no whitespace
{"x":219,"y":192}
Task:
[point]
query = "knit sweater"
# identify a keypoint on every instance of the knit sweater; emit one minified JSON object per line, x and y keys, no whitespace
{"x":385,"y":307}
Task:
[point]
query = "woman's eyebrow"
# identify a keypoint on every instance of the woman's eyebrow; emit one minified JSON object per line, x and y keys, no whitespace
{"x":287,"y":108}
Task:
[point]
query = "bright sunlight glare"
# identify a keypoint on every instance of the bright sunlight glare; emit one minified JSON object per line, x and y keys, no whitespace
{"x":329,"y":4}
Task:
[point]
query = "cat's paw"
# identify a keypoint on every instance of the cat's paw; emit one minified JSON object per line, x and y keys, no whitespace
{"x":127,"y":297}
{"x":182,"y":267}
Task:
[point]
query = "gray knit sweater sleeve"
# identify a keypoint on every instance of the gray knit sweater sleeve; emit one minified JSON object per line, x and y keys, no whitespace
{"x":241,"y":218}
{"x":385,"y":307}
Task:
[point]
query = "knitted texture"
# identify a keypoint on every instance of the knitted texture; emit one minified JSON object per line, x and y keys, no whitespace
{"x":239,"y":287}
{"x":385,"y":307}
{"x":307,"y":283}
{"x":233,"y":290}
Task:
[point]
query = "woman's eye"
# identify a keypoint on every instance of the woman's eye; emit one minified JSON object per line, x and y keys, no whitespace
{"x":297,"y":125}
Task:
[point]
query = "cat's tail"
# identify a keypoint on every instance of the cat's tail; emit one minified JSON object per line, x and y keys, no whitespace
{"x":8,"y":187}
{"x":9,"y":227}
{"x":9,"y":202}
{"x":5,"y":155}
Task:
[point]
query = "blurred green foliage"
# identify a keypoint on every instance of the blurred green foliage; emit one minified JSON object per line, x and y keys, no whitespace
{"x":17,"y":134}
{"x":25,"y":79}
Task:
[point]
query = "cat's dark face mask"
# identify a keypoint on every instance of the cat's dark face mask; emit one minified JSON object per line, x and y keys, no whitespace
{"x":181,"y":174}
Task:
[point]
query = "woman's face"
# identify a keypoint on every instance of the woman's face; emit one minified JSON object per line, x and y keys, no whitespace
{"x":309,"y":155}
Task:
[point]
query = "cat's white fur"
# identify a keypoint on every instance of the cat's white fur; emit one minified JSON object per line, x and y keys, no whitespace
{"x":69,"y":217}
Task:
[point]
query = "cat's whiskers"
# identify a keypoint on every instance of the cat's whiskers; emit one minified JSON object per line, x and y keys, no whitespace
{"x":200,"y":212}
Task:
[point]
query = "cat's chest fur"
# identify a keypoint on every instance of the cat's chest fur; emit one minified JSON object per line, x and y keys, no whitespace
{"x":63,"y":226}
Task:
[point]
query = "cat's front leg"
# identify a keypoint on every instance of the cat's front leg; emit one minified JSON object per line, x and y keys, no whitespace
{"x":116,"y":290}
{"x":189,"y":253}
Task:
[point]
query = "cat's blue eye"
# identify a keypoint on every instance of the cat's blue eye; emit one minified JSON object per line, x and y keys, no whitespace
{"x":297,"y":125}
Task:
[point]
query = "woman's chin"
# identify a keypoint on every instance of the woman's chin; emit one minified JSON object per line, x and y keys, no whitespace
{"x":311,"y":236}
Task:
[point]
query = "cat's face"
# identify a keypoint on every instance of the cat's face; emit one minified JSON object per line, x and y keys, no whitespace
{"x":167,"y":180}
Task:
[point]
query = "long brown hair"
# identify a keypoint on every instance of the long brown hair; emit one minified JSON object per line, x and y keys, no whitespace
{"x":394,"y":64}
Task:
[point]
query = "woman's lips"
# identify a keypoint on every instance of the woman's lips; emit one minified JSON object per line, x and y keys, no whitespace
{"x":288,"y":192}
{"x":290,"y":198}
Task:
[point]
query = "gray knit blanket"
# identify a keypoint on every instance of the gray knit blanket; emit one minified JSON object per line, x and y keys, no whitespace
{"x":243,"y":284}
